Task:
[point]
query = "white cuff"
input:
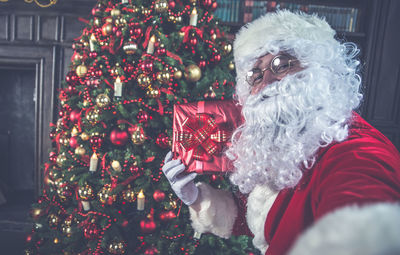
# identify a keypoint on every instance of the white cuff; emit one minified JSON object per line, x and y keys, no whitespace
{"x":214,"y":211}
{"x":369,"y":230}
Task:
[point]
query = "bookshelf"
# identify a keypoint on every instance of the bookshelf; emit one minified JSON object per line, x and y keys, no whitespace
{"x":346,"y":17}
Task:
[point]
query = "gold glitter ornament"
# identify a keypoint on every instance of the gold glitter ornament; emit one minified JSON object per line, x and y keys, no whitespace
{"x":143,"y":80}
{"x":153,"y":92}
{"x":128,"y":195}
{"x":92,"y":116}
{"x":105,"y":196}
{"x":86,"y":193}
{"x":130,"y":47}
{"x":84,"y":136}
{"x":161,"y":6}
{"x":80,"y":151}
{"x":61,"y":159}
{"x":102,"y":100}
{"x":138,"y":136}
{"x":117,"y":247}
{"x":53,"y":220}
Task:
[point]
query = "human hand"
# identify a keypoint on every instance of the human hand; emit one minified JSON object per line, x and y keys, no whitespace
{"x":182,"y":185}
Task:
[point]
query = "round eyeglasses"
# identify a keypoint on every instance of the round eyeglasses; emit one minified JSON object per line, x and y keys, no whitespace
{"x":279,"y":66}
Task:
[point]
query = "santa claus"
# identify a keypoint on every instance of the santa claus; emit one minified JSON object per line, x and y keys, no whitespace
{"x":315,"y":177}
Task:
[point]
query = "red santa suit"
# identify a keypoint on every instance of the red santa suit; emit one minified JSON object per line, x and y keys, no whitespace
{"x":363,"y":170}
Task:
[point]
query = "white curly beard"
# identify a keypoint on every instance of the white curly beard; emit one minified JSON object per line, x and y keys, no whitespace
{"x":286,"y":123}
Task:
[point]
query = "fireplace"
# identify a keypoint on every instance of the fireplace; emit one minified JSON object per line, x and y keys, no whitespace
{"x":17,"y":135}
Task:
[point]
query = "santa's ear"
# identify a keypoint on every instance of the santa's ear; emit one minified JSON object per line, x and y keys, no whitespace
{"x":372,"y":229}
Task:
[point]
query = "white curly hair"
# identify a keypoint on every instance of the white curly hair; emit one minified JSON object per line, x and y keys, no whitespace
{"x":289,"y":120}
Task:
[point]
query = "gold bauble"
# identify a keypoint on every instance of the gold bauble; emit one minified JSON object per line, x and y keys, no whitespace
{"x":80,"y":151}
{"x":54,"y":220}
{"x":84,"y":136}
{"x":102,"y":100}
{"x":106,"y":29}
{"x":213,"y":37}
{"x":116,"y":248}
{"x":61,"y":159}
{"x":227,"y":48}
{"x":153,"y":92}
{"x":143,"y":80}
{"x":192,"y":73}
{"x":161,"y":6}
{"x":86,"y":192}
{"x":115,"y":12}
{"x":129,"y":195}
{"x":116,"y":165}
{"x":105,"y":196}
{"x":97,"y":21}
{"x":56,"y":241}
{"x":138,"y":137}
{"x":36,"y":213}
{"x":178,"y":74}
{"x":231,"y":66}
{"x":81,"y":70}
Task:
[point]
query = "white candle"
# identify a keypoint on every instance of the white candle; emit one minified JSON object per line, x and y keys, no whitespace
{"x":150,"y":46}
{"x":93,"y":163}
{"x":116,"y":166}
{"x":118,"y":87}
{"x":86,"y":205}
{"x":140,"y":201}
{"x":193,"y":18}
{"x":92,"y":40}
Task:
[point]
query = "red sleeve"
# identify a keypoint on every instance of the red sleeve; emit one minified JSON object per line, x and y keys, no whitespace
{"x":357,"y":171}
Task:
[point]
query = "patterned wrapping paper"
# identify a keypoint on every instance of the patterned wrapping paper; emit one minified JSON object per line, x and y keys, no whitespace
{"x":202,"y":131}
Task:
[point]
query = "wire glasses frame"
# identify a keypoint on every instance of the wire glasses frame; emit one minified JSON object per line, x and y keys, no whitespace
{"x":279,"y":66}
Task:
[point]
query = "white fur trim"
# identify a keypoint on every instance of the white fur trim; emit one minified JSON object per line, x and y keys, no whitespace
{"x":259,"y":203}
{"x":214,"y":211}
{"x":254,"y":39}
{"x":369,"y":230}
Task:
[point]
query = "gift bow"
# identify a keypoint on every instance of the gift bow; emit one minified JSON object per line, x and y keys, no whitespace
{"x":203,"y":135}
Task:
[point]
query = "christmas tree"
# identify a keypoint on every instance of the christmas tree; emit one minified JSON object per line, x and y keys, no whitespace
{"x":104,"y":189}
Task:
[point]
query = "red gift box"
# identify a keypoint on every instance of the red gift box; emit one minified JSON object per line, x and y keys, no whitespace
{"x":201,"y":132}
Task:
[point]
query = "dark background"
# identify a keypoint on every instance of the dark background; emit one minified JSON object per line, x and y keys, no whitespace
{"x":35,"y":51}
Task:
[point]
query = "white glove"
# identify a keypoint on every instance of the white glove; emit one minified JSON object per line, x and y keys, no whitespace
{"x":182,"y":185}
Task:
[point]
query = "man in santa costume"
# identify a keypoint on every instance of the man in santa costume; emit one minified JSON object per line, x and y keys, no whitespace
{"x":317,"y":178}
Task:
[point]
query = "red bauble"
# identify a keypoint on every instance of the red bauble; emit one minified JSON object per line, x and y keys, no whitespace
{"x":164,"y":216}
{"x":96,"y":141}
{"x":171,"y":5}
{"x":91,"y":231}
{"x":193,"y":41}
{"x":119,"y":137}
{"x":146,"y":66}
{"x":71,"y":78}
{"x":142,"y":116}
{"x":215,"y":58}
{"x":135,"y":31}
{"x":73,"y":142}
{"x":134,"y":169}
{"x":161,"y":51}
{"x":151,"y":251}
{"x":128,"y":68}
{"x":93,"y":54}
{"x":97,"y":11}
{"x":147,"y":226}
{"x":53,"y":157}
{"x":158,"y":195}
{"x":214,"y":6}
{"x":162,"y":140}
{"x":75,"y":116}
{"x":202,"y":64}
{"x":207,"y":3}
